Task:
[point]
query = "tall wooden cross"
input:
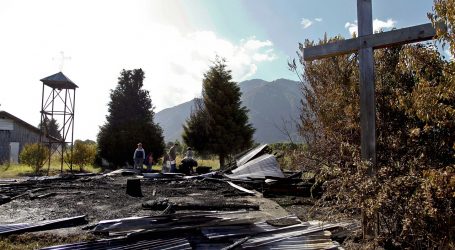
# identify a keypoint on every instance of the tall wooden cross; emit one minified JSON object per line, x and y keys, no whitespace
{"x":364,"y":44}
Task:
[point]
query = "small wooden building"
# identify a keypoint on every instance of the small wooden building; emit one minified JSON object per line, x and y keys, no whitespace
{"x":14,"y":134}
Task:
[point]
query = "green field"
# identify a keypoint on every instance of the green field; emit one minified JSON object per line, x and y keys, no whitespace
{"x":21,"y":170}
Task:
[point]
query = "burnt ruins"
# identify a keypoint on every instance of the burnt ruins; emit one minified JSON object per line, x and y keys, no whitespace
{"x":125,"y":209}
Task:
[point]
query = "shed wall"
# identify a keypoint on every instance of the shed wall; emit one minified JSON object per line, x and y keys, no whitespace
{"x":19,"y":134}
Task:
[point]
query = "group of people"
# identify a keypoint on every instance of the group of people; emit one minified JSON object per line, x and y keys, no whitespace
{"x":169,"y":160}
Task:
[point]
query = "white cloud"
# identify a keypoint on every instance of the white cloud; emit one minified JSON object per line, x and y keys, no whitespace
{"x":306,"y":23}
{"x":174,"y":59}
{"x":352,"y":27}
{"x":252,"y":43}
{"x":378,"y":25}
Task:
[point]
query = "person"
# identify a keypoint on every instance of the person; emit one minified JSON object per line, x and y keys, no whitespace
{"x":172,"y":157}
{"x":149,"y":162}
{"x":165,"y":168}
{"x":139,"y":156}
{"x":187,"y":166}
{"x":189,"y":153}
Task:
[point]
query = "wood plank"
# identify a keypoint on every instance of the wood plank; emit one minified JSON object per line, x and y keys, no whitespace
{"x":419,"y":33}
{"x":364,"y":17}
{"x":367,"y":105}
{"x":412,"y":34}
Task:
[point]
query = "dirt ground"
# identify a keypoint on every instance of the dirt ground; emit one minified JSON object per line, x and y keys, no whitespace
{"x":104,"y":197}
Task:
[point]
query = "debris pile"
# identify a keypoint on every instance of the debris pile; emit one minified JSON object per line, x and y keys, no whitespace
{"x":209,"y":230}
{"x":126,"y":209}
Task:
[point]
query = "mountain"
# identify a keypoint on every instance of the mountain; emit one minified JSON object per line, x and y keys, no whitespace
{"x":272,"y":107}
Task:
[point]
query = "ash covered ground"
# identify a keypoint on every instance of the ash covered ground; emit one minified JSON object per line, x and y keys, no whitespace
{"x":104,"y":197}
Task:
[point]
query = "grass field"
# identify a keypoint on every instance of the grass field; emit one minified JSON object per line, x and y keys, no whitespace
{"x":20,"y":170}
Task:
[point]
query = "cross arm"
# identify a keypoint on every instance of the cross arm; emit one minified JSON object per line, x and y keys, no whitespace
{"x":379,"y":40}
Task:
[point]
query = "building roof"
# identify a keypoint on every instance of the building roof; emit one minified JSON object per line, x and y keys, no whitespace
{"x":6,"y":115}
{"x":59,"y":81}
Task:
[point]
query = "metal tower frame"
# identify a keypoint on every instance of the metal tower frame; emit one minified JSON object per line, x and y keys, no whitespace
{"x":59,"y":106}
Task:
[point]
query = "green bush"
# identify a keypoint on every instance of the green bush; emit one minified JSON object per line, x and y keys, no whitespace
{"x":84,"y":153}
{"x":34,"y":155}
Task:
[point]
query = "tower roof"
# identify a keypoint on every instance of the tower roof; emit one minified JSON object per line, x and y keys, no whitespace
{"x":59,"y":81}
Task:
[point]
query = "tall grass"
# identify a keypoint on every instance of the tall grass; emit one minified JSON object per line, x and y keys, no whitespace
{"x":21,"y":170}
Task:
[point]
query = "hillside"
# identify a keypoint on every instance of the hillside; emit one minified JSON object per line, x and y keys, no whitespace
{"x":269,"y":103}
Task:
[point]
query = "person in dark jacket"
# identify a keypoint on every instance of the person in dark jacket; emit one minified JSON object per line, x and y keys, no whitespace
{"x":187,"y":166}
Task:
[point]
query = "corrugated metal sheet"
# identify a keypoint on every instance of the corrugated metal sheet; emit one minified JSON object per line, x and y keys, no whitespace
{"x":199,"y":231}
{"x":151,"y":224}
{"x":217,"y":232}
{"x":275,"y":238}
{"x":241,"y":188}
{"x":301,"y":243}
{"x":43,"y":225}
{"x":264,"y":165}
{"x":123,"y":243}
{"x":251,"y":154}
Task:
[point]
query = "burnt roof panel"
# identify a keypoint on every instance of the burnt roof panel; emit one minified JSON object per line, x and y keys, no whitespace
{"x":253,"y":153}
{"x":59,"y":81}
{"x":260,"y":167}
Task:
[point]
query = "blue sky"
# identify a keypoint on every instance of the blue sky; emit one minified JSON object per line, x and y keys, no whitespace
{"x":173,"y":41}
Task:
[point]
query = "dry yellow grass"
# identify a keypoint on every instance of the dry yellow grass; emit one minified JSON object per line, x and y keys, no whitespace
{"x":18,"y":170}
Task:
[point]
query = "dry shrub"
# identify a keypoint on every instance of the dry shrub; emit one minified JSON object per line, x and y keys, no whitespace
{"x":413,"y":190}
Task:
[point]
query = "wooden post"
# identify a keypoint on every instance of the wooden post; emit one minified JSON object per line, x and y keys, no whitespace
{"x":133,"y":187}
{"x":367,"y":102}
{"x":367,"y":97}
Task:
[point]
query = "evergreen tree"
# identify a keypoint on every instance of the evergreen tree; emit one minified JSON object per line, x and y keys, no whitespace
{"x":130,"y":120}
{"x":225,"y":120}
{"x":51,"y":127}
{"x":196,"y":130}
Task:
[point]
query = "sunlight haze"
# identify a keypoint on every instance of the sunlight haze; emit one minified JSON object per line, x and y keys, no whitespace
{"x":173,"y":41}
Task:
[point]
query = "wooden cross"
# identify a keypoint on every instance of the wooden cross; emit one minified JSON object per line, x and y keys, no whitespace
{"x":364,"y":44}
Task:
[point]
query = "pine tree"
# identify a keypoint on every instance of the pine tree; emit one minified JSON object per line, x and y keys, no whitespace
{"x":51,"y":127}
{"x":130,"y":120}
{"x":196,"y":130}
{"x":227,"y":120}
